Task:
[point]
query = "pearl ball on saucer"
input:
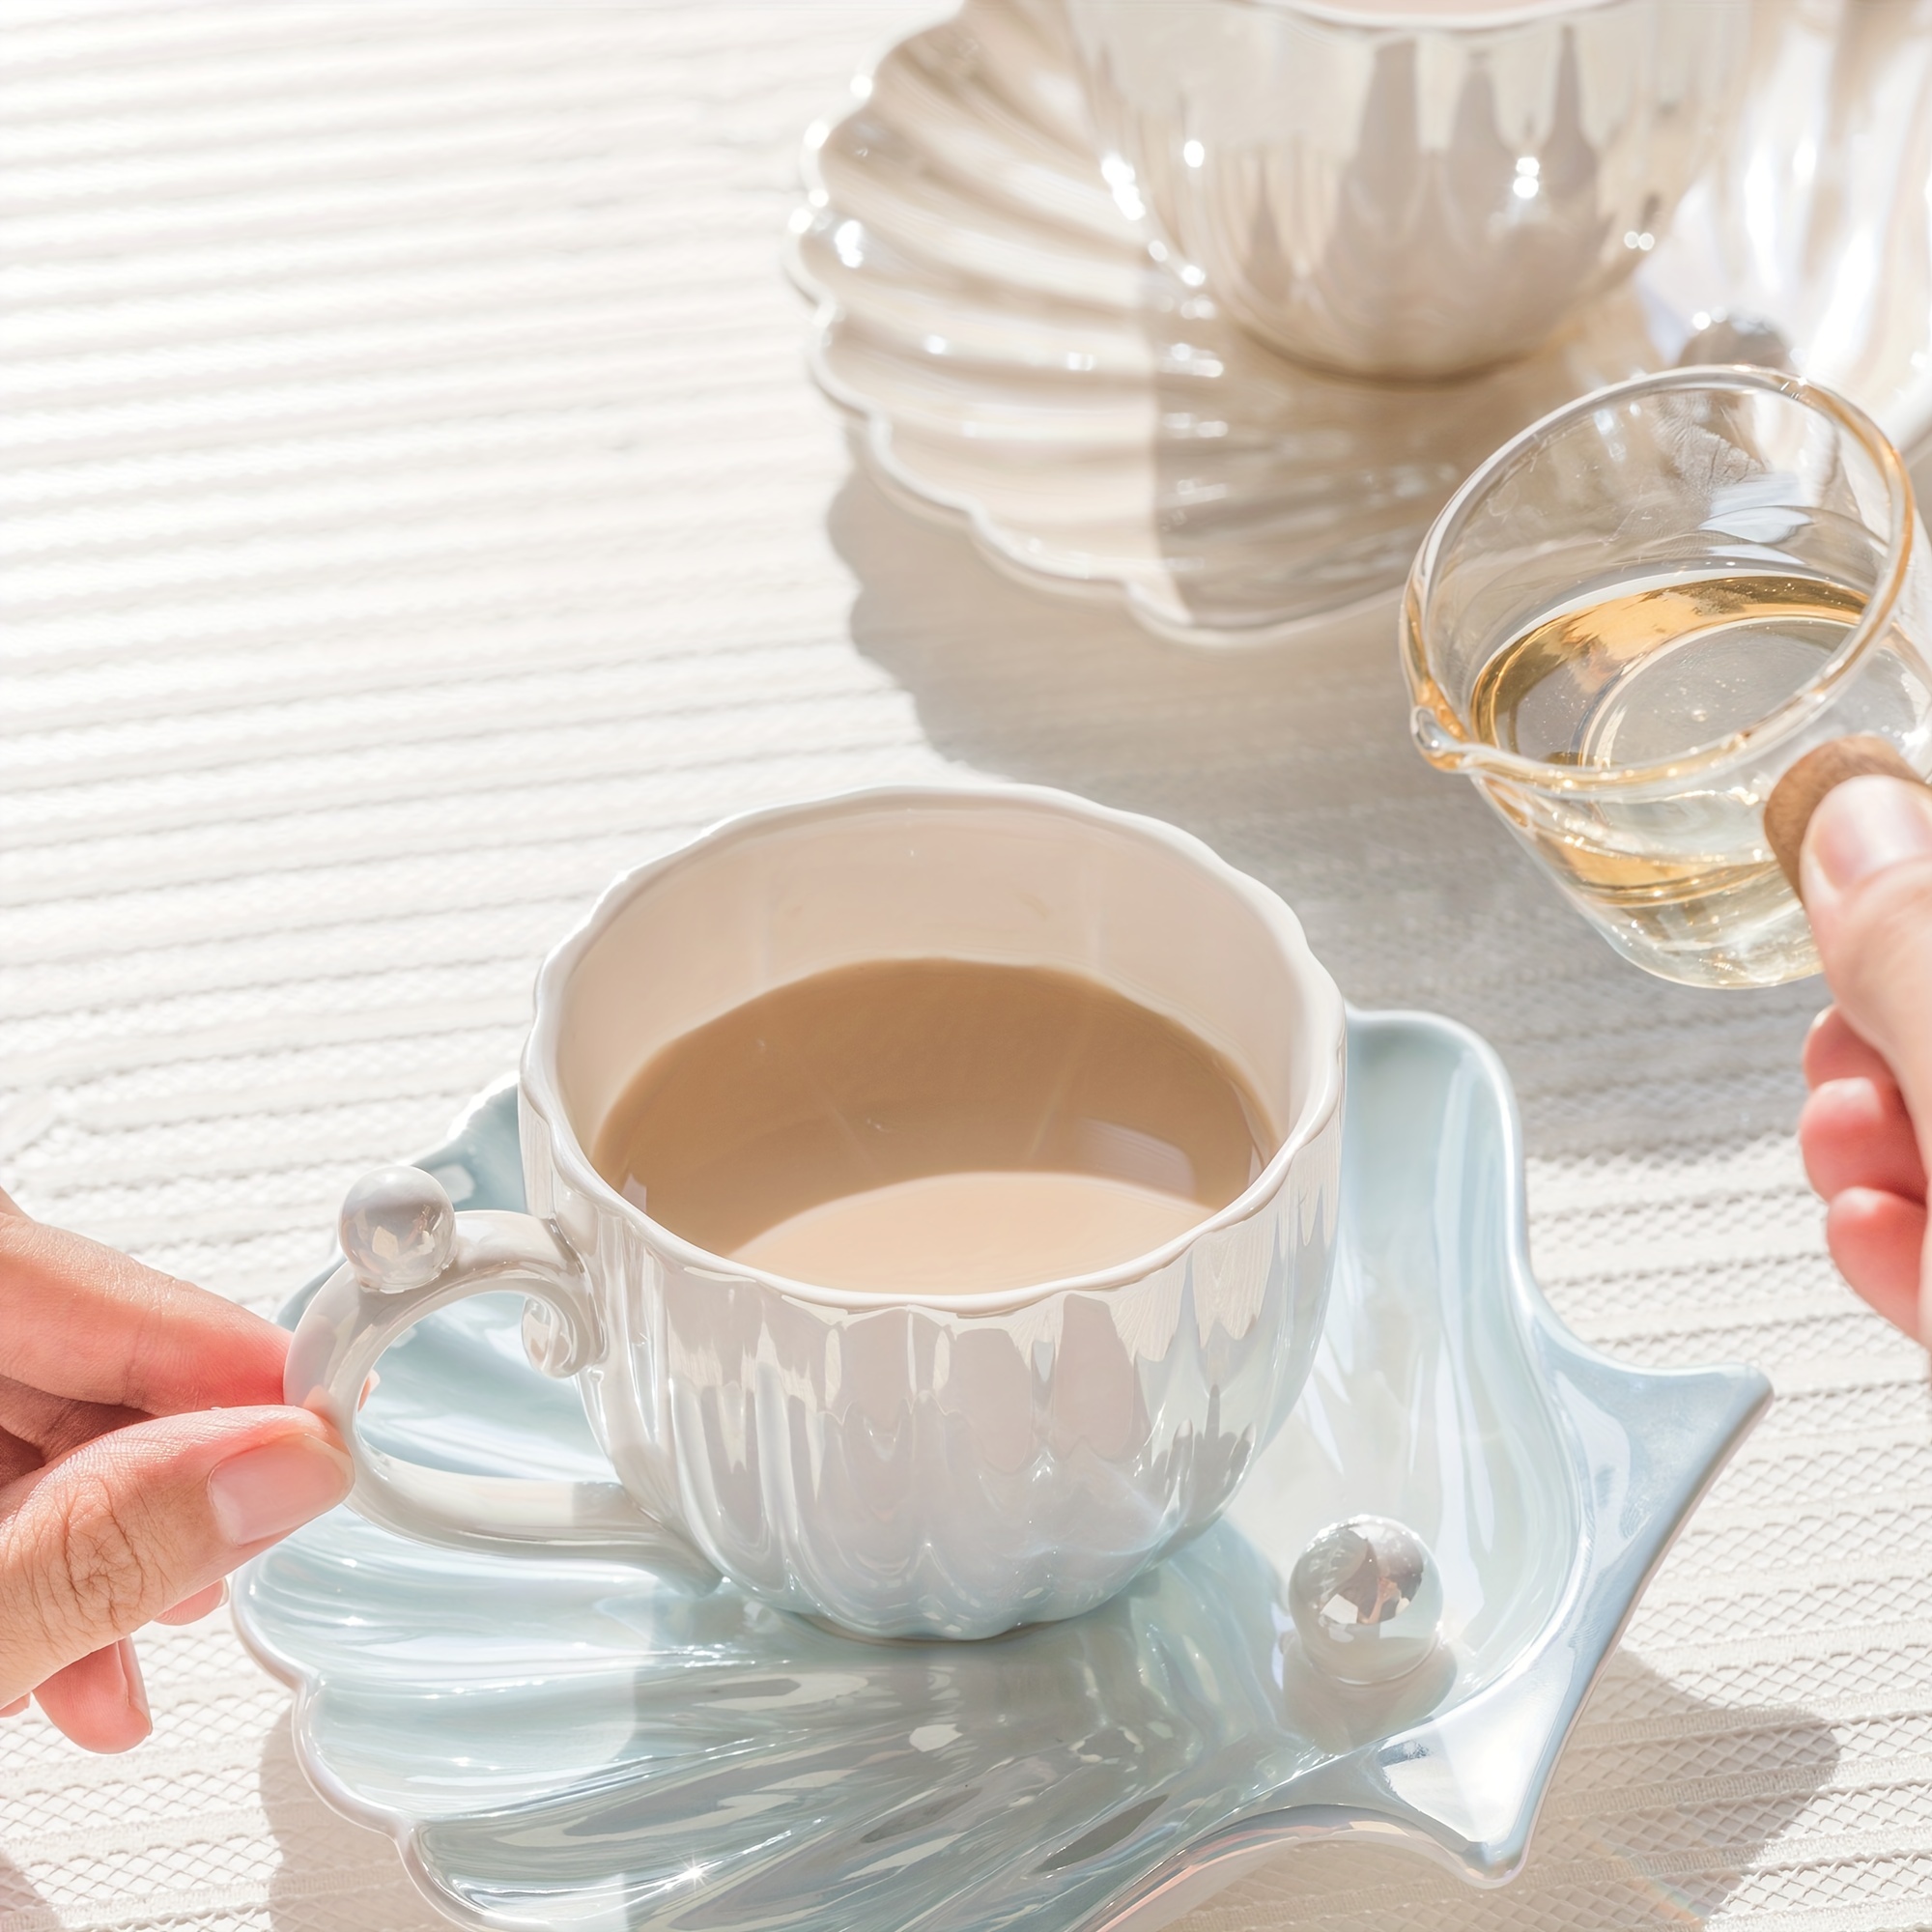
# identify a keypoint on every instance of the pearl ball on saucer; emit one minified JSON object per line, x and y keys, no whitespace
{"x":1367,"y":1599}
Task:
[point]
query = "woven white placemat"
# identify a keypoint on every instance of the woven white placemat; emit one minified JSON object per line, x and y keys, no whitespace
{"x":415,"y":510}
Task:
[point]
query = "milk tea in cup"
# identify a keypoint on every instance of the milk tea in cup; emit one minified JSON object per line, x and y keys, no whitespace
{"x":935,"y":1125}
{"x":933,"y":1190}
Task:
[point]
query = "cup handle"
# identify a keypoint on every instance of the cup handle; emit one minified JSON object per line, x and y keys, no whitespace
{"x":409,"y":1253}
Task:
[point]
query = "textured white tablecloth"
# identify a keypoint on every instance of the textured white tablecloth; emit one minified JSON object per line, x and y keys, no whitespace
{"x":415,"y":510}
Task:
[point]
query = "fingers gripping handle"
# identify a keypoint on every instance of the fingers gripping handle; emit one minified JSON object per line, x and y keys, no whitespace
{"x":409,"y":1253}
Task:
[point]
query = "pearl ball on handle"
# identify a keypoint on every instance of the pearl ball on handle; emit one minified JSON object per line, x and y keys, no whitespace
{"x":1367,"y":1599}
{"x":397,"y":1228}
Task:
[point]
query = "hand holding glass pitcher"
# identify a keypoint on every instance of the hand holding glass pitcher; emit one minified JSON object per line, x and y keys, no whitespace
{"x":1655,"y":630}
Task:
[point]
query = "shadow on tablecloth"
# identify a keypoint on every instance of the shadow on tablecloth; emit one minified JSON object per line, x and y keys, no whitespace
{"x":18,"y":1893}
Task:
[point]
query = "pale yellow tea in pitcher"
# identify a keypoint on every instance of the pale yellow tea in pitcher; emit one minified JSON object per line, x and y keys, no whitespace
{"x":1648,"y":671}
{"x":1639,"y":614}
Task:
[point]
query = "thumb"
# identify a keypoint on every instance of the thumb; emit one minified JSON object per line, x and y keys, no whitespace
{"x":1866,"y":871}
{"x":128,"y":1524}
{"x":1866,"y":875}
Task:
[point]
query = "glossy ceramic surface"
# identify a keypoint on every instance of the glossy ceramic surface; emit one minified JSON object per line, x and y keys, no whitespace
{"x":926,"y":1464}
{"x":560,"y":1744}
{"x":1406,"y":198}
{"x":1014,"y":356}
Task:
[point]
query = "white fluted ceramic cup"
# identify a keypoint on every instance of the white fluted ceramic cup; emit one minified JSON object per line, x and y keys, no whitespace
{"x":1407,"y":189}
{"x":901,"y":1466}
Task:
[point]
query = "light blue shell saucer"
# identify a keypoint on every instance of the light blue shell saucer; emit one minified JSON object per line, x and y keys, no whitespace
{"x":571,"y":1744}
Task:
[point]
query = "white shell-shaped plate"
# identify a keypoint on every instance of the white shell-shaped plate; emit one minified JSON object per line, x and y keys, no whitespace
{"x":1014,"y":356}
{"x":567,"y":1744}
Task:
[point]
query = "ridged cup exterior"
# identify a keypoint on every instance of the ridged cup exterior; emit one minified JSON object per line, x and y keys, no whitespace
{"x":910,"y":1471}
{"x":1407,"y":200}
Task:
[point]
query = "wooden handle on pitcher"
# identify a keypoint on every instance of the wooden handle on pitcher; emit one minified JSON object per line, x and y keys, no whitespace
{"x":1797,"y":795}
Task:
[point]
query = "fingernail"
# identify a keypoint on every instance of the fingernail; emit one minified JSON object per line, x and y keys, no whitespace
{"x":1866,"y":825}
{"x":267,"y":1493}
{"x":137,"y":1685}
{"x":198,"y":1603}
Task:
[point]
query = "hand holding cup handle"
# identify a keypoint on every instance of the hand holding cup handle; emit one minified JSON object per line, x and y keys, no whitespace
{"x":408,"y":1253}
